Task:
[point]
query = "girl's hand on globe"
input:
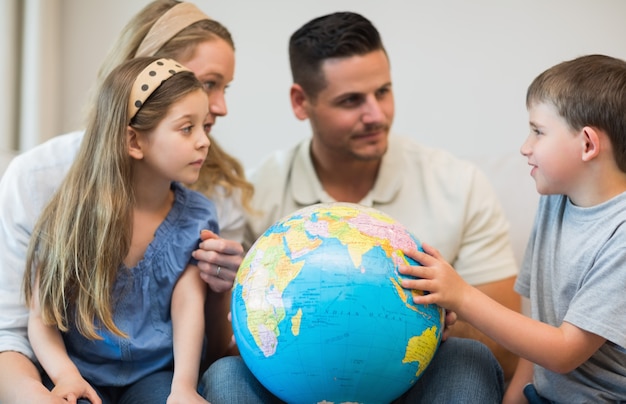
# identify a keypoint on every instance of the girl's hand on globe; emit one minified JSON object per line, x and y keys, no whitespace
{"x":435,"y":275}
{"x":218,"y":260}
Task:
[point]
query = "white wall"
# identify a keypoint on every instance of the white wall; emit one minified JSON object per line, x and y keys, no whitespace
{"x":8,"y":86}
{"x":460,"y":68}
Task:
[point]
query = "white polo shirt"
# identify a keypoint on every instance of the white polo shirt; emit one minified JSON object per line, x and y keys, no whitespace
{"x":444,"y":201}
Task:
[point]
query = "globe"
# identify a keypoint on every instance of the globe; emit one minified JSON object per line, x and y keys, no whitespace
{"x":318,"y":312}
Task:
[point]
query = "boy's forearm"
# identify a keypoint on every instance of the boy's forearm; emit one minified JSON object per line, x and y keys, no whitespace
{"x":502,"y":292}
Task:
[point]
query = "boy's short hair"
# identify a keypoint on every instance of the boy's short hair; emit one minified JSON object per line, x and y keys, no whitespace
{"x":587,"y":91}
{"x":335,"y":35}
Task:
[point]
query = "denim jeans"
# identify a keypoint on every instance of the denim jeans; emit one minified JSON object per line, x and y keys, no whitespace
{"x":152,"y":389}
{"x":462,"y":371}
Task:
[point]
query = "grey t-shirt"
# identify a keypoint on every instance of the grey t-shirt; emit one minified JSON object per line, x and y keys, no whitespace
{"x":574,"y":270}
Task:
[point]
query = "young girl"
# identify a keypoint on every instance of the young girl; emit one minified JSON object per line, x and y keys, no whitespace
{"x":115,"y":296}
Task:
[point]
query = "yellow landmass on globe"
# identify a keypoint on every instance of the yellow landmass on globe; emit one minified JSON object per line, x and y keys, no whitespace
{"x":269,"y":269}
{"x":358,"y":243}
{"x":297,"y":240}
{"x":421,"y":349}
{"x":296,"y":320}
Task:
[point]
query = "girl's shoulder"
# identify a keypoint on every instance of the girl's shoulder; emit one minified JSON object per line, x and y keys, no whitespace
{"x":193,"y":207}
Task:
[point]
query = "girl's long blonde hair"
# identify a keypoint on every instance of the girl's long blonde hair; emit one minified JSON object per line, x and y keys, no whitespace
{"x":81,"y":239}
{"x":220,"y":168}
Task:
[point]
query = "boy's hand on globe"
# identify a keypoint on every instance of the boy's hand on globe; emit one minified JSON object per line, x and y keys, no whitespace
{"x":436,"y":276}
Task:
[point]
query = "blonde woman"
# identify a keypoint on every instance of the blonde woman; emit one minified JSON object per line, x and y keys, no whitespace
{"x":206,"y":48}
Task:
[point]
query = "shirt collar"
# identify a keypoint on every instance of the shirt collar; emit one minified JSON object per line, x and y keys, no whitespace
{"x":307,"y":189}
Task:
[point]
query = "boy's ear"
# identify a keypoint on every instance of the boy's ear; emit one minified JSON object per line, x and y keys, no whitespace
{"x":299,"y":102}
{"x":591,"y":143}
{"x":133,"y":143}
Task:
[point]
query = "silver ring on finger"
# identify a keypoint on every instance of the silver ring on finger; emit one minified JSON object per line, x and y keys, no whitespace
{"x":217,"y":273}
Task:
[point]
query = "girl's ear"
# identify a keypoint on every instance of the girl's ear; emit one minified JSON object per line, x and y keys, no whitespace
{"x":134,"y":145}
{"x":591,"y":143}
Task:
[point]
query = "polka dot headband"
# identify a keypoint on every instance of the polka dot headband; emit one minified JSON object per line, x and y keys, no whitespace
{"x":149,"y":80}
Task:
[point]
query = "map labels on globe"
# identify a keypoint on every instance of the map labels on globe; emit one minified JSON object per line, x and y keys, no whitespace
{"x":319,"y":314}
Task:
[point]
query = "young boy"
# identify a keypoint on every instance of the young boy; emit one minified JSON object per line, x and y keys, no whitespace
{"x":574,"y":271}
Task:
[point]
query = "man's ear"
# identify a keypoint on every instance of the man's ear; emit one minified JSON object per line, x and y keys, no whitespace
{"x":299,"y":102}
{"x":133,"y":143}
{"x":591,"y":139}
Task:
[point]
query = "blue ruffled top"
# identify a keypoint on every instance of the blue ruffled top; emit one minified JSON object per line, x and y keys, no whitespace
{"x":141,"y":298}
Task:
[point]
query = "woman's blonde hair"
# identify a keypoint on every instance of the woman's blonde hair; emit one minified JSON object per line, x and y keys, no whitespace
{"x":81,"y":239}
{"x":220,"y":168}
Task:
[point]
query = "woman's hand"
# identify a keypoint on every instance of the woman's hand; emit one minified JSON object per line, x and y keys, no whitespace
{"x":218,"y":260}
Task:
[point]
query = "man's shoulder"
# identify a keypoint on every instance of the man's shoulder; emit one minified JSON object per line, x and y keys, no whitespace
{"x":435,"y":160}
{"x":276,"y":164}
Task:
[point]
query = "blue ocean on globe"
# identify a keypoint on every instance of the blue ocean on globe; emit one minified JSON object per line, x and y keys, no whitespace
{"x":318,"y":312}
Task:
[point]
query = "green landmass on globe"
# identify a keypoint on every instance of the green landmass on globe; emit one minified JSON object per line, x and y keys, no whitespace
{"x":319,"y":314}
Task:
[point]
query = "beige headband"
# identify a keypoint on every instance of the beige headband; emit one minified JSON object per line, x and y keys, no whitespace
{"x":168,"y":25}
{"x":149,"y":80}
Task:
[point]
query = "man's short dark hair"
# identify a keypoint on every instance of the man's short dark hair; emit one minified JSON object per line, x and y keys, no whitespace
{"x":337,"y":35}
